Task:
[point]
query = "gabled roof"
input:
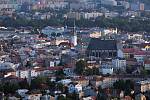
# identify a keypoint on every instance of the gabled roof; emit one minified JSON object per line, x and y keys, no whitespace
{"x":147,"y":62}
{"x":143,"y":45}
{"x":128,"y":50}
{"x":140,"y":53}
{"x":98,"y":44}
{"x":12,"y":77}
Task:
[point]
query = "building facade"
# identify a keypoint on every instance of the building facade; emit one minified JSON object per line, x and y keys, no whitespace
{"x":102,"y":48}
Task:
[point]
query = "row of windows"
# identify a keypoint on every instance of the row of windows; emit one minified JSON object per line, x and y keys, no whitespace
{"x":102,"y":54}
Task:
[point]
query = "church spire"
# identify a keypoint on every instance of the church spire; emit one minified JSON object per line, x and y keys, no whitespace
{"x":74,"y":36}
{"x":74,"y":27}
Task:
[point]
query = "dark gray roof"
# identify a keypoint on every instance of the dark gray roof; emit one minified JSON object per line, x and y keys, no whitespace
{"x":98,"y":44}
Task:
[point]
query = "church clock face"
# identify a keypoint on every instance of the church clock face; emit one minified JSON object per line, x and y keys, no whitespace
{"x":104,"y":55}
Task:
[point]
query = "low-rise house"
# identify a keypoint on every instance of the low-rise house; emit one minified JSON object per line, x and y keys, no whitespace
{"x":22,"y":92}
{"x":7,"y":66}
{"x":46,"y":97}
{"x":81,"y":80}
{"x":145,"y":46}
{"x":24,"y":72}
{"x":89,"y":91}
{"x":12,"y":78}
{"x":119,"y":64}
{"x":135,"y":36}
{"x":9,"y":73}
{"x":142,"y":86}
{"x":140,"y":56}
{"x":13,"y":98}
{"x":68,"y":71}
{"x":95,"y":34}
{"x":111,"y":14}
{"x":65,"y":81}
{"x":50,"y":31}
{"x":131,"y":62}
{"x":106,"y":68}
{"x":74,"y":88}
{"x":90,"y":98}
{"x":2,"y":95}
{"x":127,"y":98}
{"x":52,"y":62}
{"x":92,"y":63}
{"x":128,"y":53}
{"x":140,"y":97}
{"x":33,"y":95}
{"x":147,"y":64}
{"x":107,"y":82}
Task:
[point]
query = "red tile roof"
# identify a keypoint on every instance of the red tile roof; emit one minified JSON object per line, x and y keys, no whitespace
{"x":39,"y":69}
{"x":41,"y":39}
{"x":147,"y":62}
{"x":140,"y":53}
{"x":128,"y":50}
{"x":55,"y":68}
{"x":93,"y":97}
{"x":13,"y":77}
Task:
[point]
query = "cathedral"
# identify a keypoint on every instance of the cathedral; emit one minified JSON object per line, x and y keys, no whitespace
{"x":102,"y":48}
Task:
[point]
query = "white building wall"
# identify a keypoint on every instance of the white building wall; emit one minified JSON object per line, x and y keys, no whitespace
{"x":74,"y":40}
{"x":120,"y":53}
{"x":147,"y":66}
{"x":119,"y":64}
{"x":107,"y":71}
{"x":139,"y":58}
{"x":24,"y":73}
{"x":109,"y":2}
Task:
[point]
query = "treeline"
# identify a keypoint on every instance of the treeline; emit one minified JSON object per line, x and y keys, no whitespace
{"x":125,"y":24}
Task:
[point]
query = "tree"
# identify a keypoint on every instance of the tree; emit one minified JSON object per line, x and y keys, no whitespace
{"x":119,"y":84}
{"x":95,"y":71}
{"x":72,"y":96}
{"x":60,"y":86}
{"x":28,"y":64}
{"x":51,"y":84}
{"x":1,"y":87}
{"x":126,"y":86}
{"x":24,"y":84}
{"x":60,"y":73}
{"x":9,"y":87}
{"x":129,"y":86}
{"x":101,"y":94}
{"x":87,"y":71}
{"x":144,"y":72}
{"x":65,"y":89}
{"x":80,"y":66}
{"x":91,"y":71}
{"x":38,"y":82}
{"x":61,"y":97}
{"x":126,"y":24}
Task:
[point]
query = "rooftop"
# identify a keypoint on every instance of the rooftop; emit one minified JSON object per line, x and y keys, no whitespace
{"x":144,"y":82}
{"x":147,"y":62}
{"x":98,"y":44}
{"x":128,"y":50}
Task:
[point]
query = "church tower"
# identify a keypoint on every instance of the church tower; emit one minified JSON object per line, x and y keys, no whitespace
{"x":74,"y":37}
